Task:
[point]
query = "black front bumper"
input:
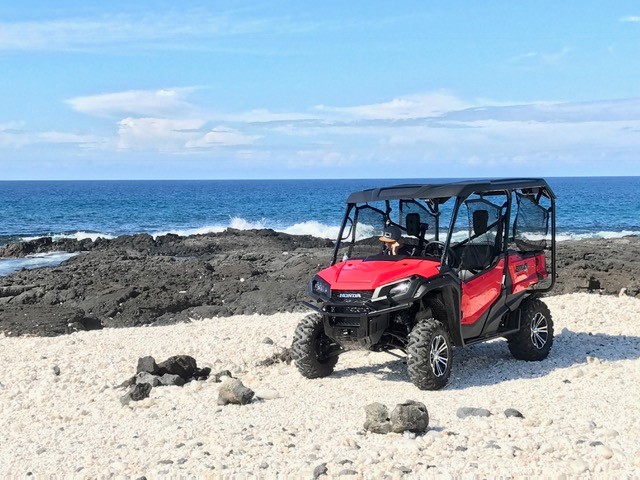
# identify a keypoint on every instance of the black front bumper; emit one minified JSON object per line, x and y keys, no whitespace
{"x":355,"y":325}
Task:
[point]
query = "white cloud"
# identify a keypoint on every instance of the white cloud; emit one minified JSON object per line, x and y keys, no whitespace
{"x":546,"y":57}
{"x":407,"y":107}
{"x":166,"y":135}
{"x":630,"y":18}
{"x":318,"y":158}
{"x":170,"y":101}
{"x":264,"y":116}
{"x":414,"y":128}
{"x":222,"y":137}
{"x":150,"y":30}
{"x":13,"y":135}
{"x":87,"y":141}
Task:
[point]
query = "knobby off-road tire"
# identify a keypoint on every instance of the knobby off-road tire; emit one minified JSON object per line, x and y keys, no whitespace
{"x":429,"y":355}
{"x":535,"y":338}
{"x":309,"y":348}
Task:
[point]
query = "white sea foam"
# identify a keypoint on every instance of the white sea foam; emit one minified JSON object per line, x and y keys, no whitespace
{"x":313,"y":228}
{"x":310,"y":227}
{"x":595,"y":235}
{"x":76,"y":236}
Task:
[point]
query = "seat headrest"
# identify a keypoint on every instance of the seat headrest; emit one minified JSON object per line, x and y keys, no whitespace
{"x":412,"y":224}
{"x":480,"y":221}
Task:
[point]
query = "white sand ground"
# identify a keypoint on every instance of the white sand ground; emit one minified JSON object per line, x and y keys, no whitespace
{"x":73,"y":424}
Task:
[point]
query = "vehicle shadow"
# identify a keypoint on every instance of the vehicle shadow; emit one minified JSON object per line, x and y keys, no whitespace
{"x":491,"y":363}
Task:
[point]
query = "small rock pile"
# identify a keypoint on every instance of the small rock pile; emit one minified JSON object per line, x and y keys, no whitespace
{"x":409,"y":416}
{"x":176,"y":370}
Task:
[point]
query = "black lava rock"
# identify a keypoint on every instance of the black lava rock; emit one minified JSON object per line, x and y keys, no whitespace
{"x":147,"y":364}
{"x":377,"y":418}
{"x":139,"y":392}
{"x":410,"y":416}
{"x":145,"y":377}
{"x":168,"y":379}
{"x":202,"y":373}
{"x":182,"y":365}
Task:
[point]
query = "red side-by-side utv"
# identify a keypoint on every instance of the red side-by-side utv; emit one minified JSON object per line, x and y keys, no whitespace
{"x":425,"y":268}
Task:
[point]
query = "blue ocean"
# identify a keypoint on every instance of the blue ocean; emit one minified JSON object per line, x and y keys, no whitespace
{"x":587,"y":207}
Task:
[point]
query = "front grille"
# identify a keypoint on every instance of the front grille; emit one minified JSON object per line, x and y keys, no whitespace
{"x":351,"y":296}
{"x":345,"y":322}
{"x":348,"y":302}
{"x":354,"y":309}
{"x":337,"y":319}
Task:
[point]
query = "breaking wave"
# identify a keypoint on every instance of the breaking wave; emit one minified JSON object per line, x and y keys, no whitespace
{"x":596,"y":235}
{"x":73,"y":235}
{"x":310,"y":227}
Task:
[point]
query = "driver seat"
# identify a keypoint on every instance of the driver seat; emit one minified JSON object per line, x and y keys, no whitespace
{"x":479,"y":256}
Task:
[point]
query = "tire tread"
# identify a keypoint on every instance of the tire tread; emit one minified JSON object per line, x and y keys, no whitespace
{"x":519,"y":343}
{"x":302,"y":349}
{"x":418,"y":353}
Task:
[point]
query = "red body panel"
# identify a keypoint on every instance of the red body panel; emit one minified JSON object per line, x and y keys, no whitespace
{"x":526,"y":271}
{"x":480,"y":292}
{"x":359,"y":275}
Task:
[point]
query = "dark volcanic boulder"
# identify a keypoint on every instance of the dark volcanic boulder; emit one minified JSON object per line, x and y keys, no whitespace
{"x":145,"y":377}
{"x":181,"y":365}
{"x":147,"y":364}
{"x":410,"y":416}
{"x":168,"y":379}
{"x":377,"y":418}
{"x":137,"y":393}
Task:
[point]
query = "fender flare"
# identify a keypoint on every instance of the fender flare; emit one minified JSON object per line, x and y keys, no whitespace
{"x":442,"y":295}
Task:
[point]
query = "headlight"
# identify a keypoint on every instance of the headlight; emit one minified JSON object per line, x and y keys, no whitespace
{"x":320,"y":287}
{"x":396,"y":289}
{"x":400,"y":288}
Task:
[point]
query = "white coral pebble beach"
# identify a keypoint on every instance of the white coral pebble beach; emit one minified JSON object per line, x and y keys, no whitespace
{"x":580,"y":405}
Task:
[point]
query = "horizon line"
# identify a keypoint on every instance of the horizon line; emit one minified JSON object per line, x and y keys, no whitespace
{"x":295,"y":179}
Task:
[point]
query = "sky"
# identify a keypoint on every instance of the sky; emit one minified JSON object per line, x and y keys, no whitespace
{"x":332,"y":89}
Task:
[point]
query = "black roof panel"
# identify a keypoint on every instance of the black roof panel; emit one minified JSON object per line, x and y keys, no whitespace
{"x":447,"y":190}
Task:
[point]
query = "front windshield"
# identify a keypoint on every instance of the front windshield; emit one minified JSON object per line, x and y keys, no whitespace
{"x":416,"y":219}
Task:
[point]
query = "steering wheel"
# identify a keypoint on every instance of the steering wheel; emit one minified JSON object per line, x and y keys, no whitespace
{"x":436,"y":248}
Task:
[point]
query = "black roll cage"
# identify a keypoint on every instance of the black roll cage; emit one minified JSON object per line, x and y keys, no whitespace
{"x":462,"y":191}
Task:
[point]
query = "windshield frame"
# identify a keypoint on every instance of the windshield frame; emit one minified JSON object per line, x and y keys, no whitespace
{"x":350,"y":220}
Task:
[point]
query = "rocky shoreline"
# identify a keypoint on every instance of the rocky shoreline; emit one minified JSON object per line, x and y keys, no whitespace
{"x":140,"y":280}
